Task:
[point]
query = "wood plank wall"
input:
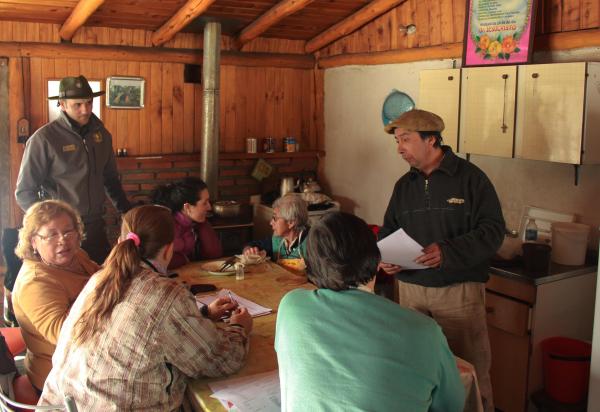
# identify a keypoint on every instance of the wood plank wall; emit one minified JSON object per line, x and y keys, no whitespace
{"x":259,"y":102}
{"x":255,"y":102}
{"x":441,"y":22}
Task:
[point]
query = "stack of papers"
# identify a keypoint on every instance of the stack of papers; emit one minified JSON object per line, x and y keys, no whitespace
{"x":255,"y":393}
{"x":401,"y":249}
{"x":254,"y":309}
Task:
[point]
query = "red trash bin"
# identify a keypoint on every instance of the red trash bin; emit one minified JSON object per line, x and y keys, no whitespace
{"x":566,"y":365}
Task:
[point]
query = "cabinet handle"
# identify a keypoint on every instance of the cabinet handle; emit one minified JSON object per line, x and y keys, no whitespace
{"x":535,"y":75}
{"x":489,"y":309}
{"x":505,"y":76}
{"x":450,"y":78}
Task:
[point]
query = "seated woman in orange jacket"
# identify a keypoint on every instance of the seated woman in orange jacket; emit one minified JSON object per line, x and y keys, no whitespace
{"x":55,"y":269}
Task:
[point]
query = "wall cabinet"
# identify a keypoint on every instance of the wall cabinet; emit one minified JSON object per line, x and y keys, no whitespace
{"x":558,"y":113}
{"x":439,"y":91}
{"x":487,"y":110}
{"x":522,"y":314}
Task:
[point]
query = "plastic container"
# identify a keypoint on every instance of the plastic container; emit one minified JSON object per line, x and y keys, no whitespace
{"x":531,"y":231}
{"x":566,"y":365}
{"x":536,"y":258}
{"x":569,"y":243}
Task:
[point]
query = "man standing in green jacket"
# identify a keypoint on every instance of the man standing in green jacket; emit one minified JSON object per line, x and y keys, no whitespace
{"x":449,"y":206}
{"x":72,"y":159}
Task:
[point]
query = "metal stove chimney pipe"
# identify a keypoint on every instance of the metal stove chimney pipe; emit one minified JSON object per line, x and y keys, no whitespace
{"x":209,"y":161}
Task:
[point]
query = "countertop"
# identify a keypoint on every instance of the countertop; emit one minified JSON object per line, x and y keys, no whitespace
{"x":555,"y":273}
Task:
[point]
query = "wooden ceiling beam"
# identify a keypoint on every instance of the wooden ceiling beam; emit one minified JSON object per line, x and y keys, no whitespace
{"x":274,"y":15}
{"x":78,"y":17}
{"x":150,"y":54}
{"x":184,"y":16}
{"x":371,"y":11}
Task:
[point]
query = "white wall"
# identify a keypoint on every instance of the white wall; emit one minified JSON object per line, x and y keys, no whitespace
{"x":361,"y":164}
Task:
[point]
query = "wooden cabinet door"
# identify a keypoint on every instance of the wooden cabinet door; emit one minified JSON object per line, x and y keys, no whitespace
{"x":550,"y":105}
{"x":510,"y":362}
{"x":439,"y":92}
{"x":487,"y":113}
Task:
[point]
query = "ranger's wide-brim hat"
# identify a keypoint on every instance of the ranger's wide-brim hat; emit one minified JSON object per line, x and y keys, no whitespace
{"x":416,"y":121}
{"x":75,"y":88}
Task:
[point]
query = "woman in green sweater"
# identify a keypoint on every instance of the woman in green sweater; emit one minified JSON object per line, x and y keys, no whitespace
{"x":342,"y":348}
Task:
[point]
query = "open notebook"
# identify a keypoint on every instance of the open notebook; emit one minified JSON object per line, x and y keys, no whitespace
{"x":253,"y":308}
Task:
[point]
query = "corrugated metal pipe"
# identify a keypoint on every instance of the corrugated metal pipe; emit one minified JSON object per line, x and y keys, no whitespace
{"x":209,"y":167}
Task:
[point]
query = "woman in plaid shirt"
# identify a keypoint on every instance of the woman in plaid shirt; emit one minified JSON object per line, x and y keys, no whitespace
{"x":134,"y":336}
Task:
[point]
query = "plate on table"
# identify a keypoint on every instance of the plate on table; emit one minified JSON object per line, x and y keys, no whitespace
{"x":213,"y":268}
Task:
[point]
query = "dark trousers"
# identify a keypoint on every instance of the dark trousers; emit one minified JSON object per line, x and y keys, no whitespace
{"x":96,"y":243}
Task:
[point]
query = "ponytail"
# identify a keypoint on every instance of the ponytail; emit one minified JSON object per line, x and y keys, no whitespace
{"x":145,"y":230}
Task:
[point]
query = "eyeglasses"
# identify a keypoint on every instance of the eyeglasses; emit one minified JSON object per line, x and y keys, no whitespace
{"x":53,"y":238}
{"x":274,"y":218}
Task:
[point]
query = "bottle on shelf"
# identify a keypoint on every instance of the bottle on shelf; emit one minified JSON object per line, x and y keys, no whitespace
{"x":531,"y":231}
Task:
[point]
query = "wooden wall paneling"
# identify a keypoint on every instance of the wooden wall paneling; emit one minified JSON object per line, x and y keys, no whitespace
{"x":422,"y":22}
{"x":188,"y":117}
{"x":145,"y":113}
{"x":156,"y":108}
{"x":178,"y":142}
{"x":408,"y":15}
{"x":256,"y":104}
{"x":459,"y":10}
{"x":570,"y":17}
{"x":132,"y":132}
{"x":393,"y":27}
{"x":319,"y":108}
{"x":167,"y":108}
{"x":447,"y":22}
{"x":244,"y":127}
{"x":36,"y":113}
{"x":32,"y":32}
{"x":109,"y":116}
{"x":379,"y":33}
{"x":198,"y":93}
{"x":5,"y":30}
{"x":590,"y":14}
{"x":98,"y":73}
{"x":227,"y":107}
{"x":16,"y":112}
{"x":435,"y":23}
{"x":139,"y":38}
{"x":47,"y":74}
{"x":553,"y":17}
{"x":73,"y":68}
{"x":119,"y":119}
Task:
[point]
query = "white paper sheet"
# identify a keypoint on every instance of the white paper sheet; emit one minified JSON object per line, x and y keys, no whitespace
{"x":254,"y":309}
{"x":255,"y":393}
{"x":400,"y":249}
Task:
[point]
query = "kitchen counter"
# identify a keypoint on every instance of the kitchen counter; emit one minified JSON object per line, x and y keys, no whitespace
{"x":556,"y":272}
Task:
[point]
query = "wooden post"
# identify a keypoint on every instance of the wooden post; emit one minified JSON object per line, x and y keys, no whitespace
{"x":270,"y":18}
{"x":371,"y":11}
{"x":184,"y":16}
{"x":78,"y":17}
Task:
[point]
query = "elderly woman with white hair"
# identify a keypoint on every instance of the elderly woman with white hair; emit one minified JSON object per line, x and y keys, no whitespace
{"x":287,"y":246}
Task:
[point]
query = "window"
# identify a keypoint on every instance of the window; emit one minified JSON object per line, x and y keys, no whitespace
{"x":54,"y":110}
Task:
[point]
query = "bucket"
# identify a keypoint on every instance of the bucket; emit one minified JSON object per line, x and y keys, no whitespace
{"x":566,"y":365}
{"x":569,"y":243}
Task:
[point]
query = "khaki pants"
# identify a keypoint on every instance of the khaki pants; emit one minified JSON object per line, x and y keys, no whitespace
{"x":460,"y":311}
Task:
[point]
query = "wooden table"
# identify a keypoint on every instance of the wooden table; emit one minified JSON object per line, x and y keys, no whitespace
{"x":265,"y":284}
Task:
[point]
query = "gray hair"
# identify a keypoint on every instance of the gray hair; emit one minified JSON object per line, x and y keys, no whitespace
{"x":293,"y":208}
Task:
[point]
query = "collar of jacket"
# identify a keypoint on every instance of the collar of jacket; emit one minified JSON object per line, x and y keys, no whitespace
{"x":183,"y":220}
{"x":449,"y":164}
{"x":92,"y":125}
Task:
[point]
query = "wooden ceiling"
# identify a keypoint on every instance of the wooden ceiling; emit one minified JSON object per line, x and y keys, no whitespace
{"x":310,"y":20}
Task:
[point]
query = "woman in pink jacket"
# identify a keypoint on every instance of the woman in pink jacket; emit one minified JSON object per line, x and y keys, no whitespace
{"x":189,"y":201}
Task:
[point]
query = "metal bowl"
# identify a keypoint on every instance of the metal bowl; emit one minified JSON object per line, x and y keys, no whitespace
{"x":227,"y":208}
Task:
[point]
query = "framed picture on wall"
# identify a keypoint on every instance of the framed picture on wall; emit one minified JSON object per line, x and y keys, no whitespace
{"x":498,"y":32}
{"x":125,"y":92}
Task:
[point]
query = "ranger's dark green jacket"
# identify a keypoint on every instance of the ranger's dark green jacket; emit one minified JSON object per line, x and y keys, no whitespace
{"x":456,"y":207}
{"x":78,"y":169}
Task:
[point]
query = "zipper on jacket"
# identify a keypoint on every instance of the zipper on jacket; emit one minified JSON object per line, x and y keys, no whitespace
{"x":427,"y":198}
{"x":85,"y":146}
